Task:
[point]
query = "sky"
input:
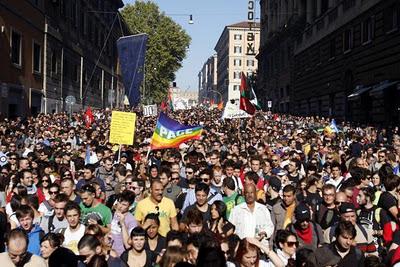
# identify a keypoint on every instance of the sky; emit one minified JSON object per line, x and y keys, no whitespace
{"x":210,"y":17}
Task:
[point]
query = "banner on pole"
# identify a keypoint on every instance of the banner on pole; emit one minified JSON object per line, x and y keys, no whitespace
{"x":150,"y":110}
{"x":132,"y":52}
{"x":232,"y":111}
{"x":122,"y":129}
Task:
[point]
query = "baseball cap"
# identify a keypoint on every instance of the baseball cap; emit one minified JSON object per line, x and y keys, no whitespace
{"x":124,"y":155}
{"x":275,"y":183}
{"x":347,"y":207}
{"x":302,"y":213}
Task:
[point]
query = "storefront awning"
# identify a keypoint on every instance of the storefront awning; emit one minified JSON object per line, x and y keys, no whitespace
{"x":379,"y":88}
{"x":358,"y":92}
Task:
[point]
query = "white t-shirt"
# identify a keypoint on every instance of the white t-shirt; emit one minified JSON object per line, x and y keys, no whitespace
{"x":72,"y":238}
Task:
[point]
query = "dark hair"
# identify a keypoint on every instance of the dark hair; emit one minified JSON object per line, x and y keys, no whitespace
{"x":138,"y":231}
{"x":194,"y":216}
{"x":391,"y":182}
{"x":302,"y":257}
{"x":71,"y":205}
{"x":89,"y":241}
{"x":229,"y":183}
{"x":127,"y":196}
{"x":282,"y":237}
{"x":97,"y":261}
{"x":154,"y":217}
{"x":289,"y":188}
{"x":15,"y":202}
{"x":369,"y":192}
{"x":23,"y":211}
{"x":55,"y":240}
{"x":61,"y":198}
{"x":252,"y":176}
{"x":202,"y":187}
{"x":166,"y":171}
{"x":345,"y":227}
{"x":210,"y":256}
{"x":33,"y":201}
{"x":220,"y":206}
{"x":88,"y":188}
{"x":90,"y":167}
{"x":175,"y":235}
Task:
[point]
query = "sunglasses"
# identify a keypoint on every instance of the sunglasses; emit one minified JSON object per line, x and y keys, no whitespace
{"x":14,"y":158}
{"x":128,"y":183}
{"x":189,"y":172}
{"x":53,"y":192}
{"x":338,"y":203}
{"x":292,"y":244}
{"x":45,"y":180}
{"x":205,"y":180}
{"x":175,"y":179}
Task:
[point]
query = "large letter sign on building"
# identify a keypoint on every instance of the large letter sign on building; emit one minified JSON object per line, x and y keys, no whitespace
{"x":250,"y":38}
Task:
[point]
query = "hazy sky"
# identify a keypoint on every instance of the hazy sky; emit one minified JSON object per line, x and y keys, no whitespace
{"x":210,"y":17}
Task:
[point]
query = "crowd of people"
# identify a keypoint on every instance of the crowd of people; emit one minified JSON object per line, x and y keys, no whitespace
{"x":255,"y":192}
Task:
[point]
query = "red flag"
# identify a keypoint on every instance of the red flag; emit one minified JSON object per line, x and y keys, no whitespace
{"x":211,"y":102}
{"x":163,"y":106}
{"x":221,"y":105}
{"x":245,"y":103}
{"x":89,"y":118}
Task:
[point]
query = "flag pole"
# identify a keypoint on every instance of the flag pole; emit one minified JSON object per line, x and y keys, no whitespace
{"x":119,"y":154}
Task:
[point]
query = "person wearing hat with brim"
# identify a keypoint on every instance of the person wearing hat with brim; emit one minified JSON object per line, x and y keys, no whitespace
{"x":273,"y":189}
{"x":308,"y":232}
{"x":364,"y":238}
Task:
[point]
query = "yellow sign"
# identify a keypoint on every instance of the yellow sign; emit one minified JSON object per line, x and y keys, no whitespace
{"x":122,"y":129}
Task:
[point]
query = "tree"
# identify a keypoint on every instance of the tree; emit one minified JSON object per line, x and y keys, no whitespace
{"x":166,"y":49}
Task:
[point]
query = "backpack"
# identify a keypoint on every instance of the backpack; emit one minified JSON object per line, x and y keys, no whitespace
{"x":369,"y":221}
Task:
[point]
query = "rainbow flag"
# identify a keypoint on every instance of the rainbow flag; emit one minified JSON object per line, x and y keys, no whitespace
{"x":170,"y":133}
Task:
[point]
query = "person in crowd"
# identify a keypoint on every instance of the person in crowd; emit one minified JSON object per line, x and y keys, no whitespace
{"x":137,"y":255}
{"x":326,"y":213}
{"x":231,"y":198}
{"x":308,"y":232}
{"x":25,"y":216}
{"x":201,"y":190}
{"x":75,"y":230}
{"x":286,"y":243}
{"x":273,"y":189}
{"x":157,"y":203}
{"x":17,"y":251}
{"x":154,"y":241}
{"x":341,"y":252}
{"x":57,"y":220}
{"x":49,"y":243}
{"x":171,"y":190}
{"x":283,"y":211}
{"x":218,"y":223}
{"x":172,"y":256}
{"x":252,"y":219}
{"x":68,"y":188}
{"x":94,"y":212}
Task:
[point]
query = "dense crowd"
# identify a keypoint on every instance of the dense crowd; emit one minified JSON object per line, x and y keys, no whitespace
{"x":263,"y":191}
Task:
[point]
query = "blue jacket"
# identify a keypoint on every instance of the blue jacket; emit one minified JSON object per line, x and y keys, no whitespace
{"x":34,"y":237}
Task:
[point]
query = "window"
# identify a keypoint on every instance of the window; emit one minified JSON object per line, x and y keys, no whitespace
{"x":16,"y":48}
{"x":347,"y":40}
{"x":54,"y":62}
{"x":367,"y":30}
{"x":75,"y":73}
{"x":237,"y":37}
{"x":237,"y":49}
{"x":236,"y":87}
{"x":332,"y":48}
{"x":37,"y":58}
{"x":250,"y":63}
{"x":236,"y":75}
{"x":237,"y":62}
{"x":392,"y":19}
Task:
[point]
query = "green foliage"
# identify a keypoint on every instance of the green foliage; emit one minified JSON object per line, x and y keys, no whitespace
{"x":166,"y":48}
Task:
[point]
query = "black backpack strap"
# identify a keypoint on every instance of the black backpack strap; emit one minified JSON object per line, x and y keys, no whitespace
{"x":50,"y":225}
{"x":212,"y":196}
{"x":237,"y":198}
{"x":364,"y":232}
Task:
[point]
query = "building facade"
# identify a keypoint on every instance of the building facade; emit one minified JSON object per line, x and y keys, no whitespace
{"x":236,"y":53}
{"x":52,"y":49}
{"x":21,"y":57}
{"x":208,"y":81}
{"x":344,"y":63}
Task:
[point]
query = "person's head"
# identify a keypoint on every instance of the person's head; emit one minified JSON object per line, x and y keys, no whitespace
{"x":194,"y":243}
{"x":49,"y":243}
{"x":153,"y":171}
{"x":88,"y":195}
{"x":228,"y":186}
{"x":54,"y":189}
{"x":381,"y":156}
{"x":287,"y":242}
{"x":274,"y":185}
{"x":215,"y":156}
{"x":23,"y":164}
{"x":206,"y":176}
{"x":26,"y":178}
{"x":156,"y":190}
{"x":174,"y":238}
{"x":217,"y":175}
{"x":348,"y":212}
{"x":189,"y":171}
{"x":249,"y":192}
{"x":335,"y":168}
{"x":108,"y":164}
{"x":17,"y":244}
{"x":340,"y":198}
{"x":125,"y":200}
{"x":194,"y":221}
{"x":391,"y":182}
{"x":303,"y":216}
{"x":88,"y":246}
{"x":345,"y":233}
{"x":247,"y":255}
{"x":376,"y":180}
{"x":255,"y":164}
{"x":59,"y":204}
{"x":172,"y":256}
{"x":210,"y":256}
{"x":201,"y":191}
{"x":175,"y":177}
{"x":329,"y":194}
{"x":366,"y":196}
{"x":97,"y":261}
{"x":218,"y":210}
{"x":67,"y":186}
{"x":137,"y":238}
{"x":294,"y":165}
{"x":25,"y":215}
{"x":251,"y":177}
{"x":88,"y":171}
{"x":289,"y":195}
{"x":154,"y":222}
{"x":165,"y":176}
{"x":72,"y":212}
{"x":303,"y":257}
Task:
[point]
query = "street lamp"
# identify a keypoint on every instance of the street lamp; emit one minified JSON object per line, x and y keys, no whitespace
{"x":190,"y":21}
